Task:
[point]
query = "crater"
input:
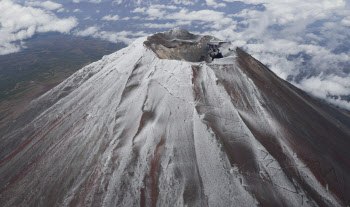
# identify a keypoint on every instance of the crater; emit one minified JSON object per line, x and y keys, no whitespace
{"x":179,"y":44}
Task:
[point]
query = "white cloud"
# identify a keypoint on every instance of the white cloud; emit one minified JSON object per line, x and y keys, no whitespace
{"x":214,"y":19}
{"x":60,"y":10}
{"x":167,"y":25}
{"x":153,"y":11}
{"x":346,"y":21}
{"x":161,"y":6}
{"x":293,"y":11}
{"x":118,"y":1}
{"x":90,"y":31}
{"x":22,"y":22}
{"x":76,"y":10}
{"x":49,"y":5}
{"x":327,"y":87}
{"x":111,"y":18}
{"x":126,"y":18}
{"x":96,"y":1}
{"x":126,"y":37}
{"x":185,"y":2}
{"x":139,"y":10}
{"x":76,"y":1}
{"x":209,"y":18}
{"x":214,"y":4}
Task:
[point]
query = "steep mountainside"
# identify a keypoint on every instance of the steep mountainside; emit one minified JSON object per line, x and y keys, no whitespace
{"x":176,"y":119}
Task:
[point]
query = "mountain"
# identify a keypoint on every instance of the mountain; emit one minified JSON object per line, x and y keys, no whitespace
{"x":176,"y":119}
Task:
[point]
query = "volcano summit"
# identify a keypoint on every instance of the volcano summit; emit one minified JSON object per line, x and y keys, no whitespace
{"x":176,"y":119}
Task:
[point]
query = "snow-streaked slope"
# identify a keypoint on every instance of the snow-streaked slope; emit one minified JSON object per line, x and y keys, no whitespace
{"x":136,"y":130}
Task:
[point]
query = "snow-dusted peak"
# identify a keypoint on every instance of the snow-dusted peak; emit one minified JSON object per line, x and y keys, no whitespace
{"x":176,"y":119}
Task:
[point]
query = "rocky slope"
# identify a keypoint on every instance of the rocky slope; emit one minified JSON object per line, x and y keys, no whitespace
{"x":176,"y":119}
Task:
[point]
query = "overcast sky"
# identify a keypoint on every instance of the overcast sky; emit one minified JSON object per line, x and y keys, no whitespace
{"x":303,"y":41}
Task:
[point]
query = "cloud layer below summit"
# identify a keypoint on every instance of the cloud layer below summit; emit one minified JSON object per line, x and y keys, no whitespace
{"x":20,"y":22}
